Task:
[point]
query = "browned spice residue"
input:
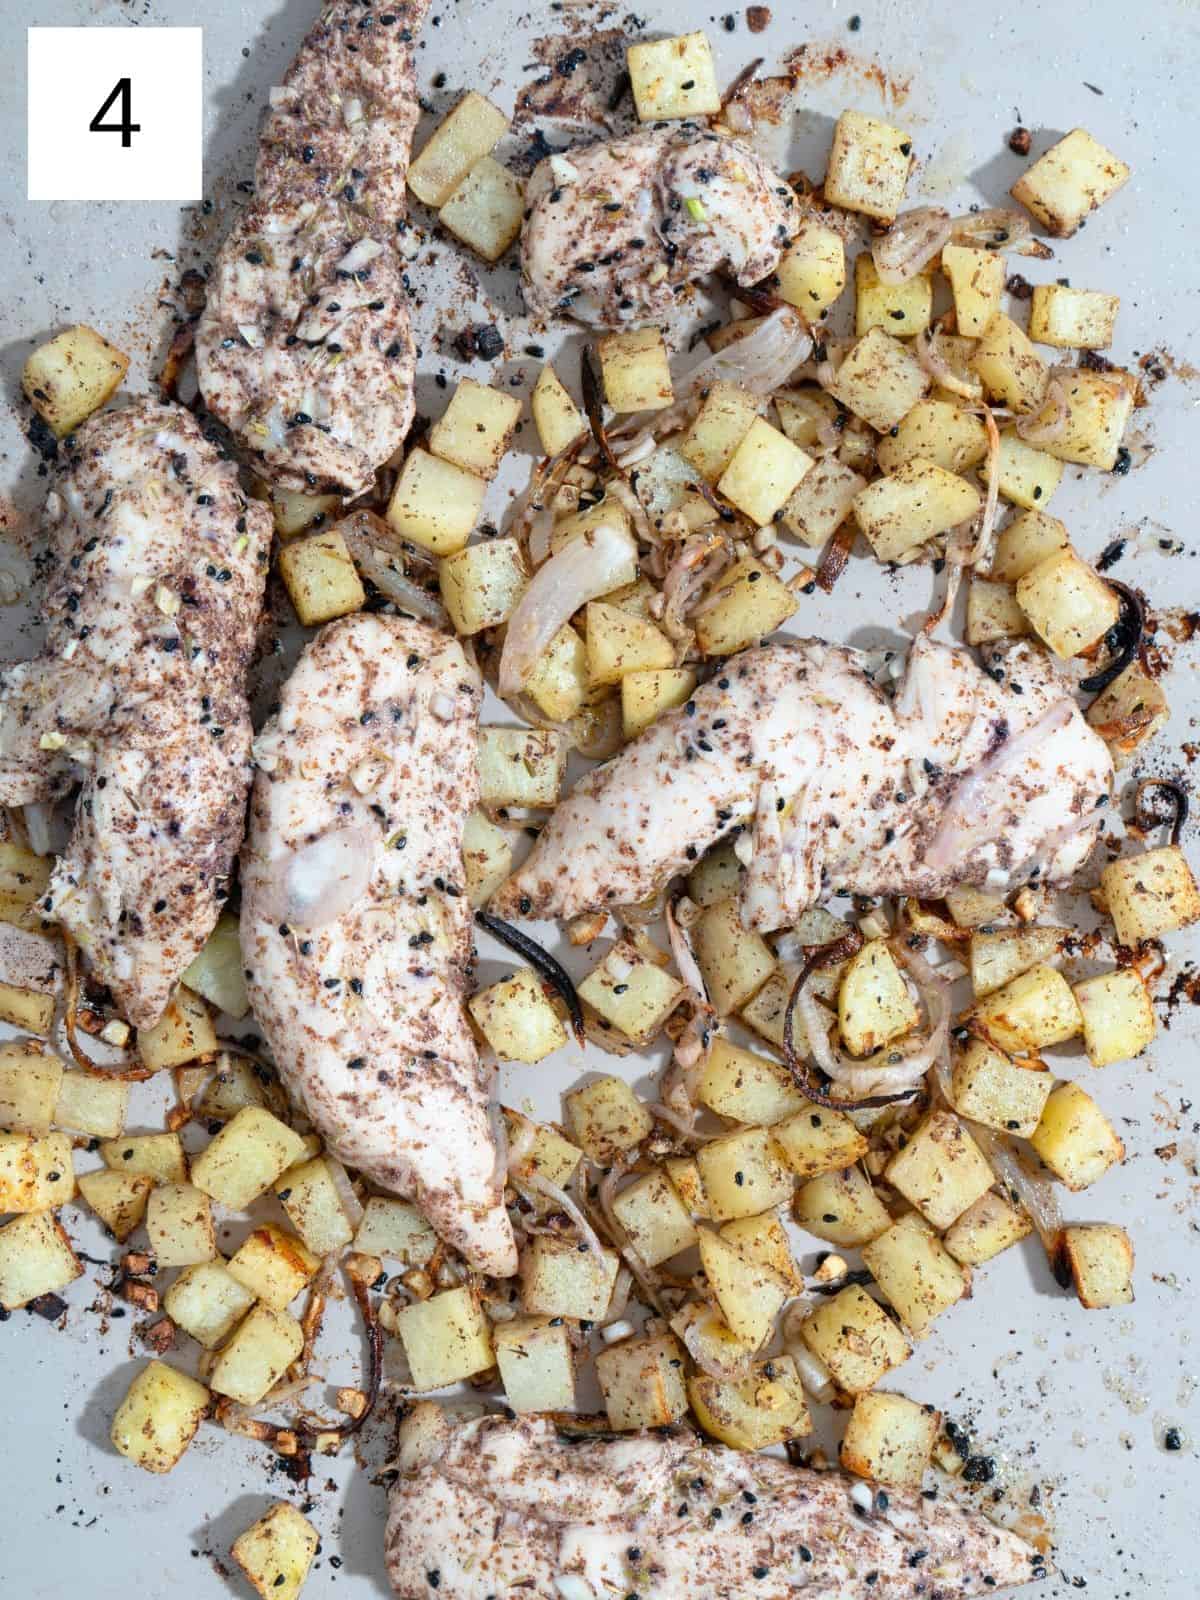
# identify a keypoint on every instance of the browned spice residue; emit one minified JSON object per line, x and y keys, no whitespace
{"x":758,"y":18}
{"x":814,"y":63}
{"x":579,"y":81}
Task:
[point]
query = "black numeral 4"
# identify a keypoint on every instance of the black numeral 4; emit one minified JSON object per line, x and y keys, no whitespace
{"x":122,"y":91}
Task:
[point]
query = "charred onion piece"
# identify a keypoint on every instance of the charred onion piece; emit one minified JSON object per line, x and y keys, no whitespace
{"x":762,"y":300}
{"x":178,"y":352}
{"x":1124,"y":638}
{"x":542,"y":961}
{"x":1145,"y":816}
{"x":129,"y":1074}
{"x":742,"y":82}
{"x":837,"y":554}
{"x":593,"y":404}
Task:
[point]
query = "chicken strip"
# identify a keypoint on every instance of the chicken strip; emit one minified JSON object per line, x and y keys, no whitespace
{"x":138,"y":697}
{"x":614,"y":234}
{"x":356,"y":934}
{"x":964,"y":776}
{"x":304,"y":349}
{"x":494,"y":1506}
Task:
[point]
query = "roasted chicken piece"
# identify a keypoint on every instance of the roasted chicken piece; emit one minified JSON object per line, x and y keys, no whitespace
{"x":963,"y":776}
{"x":138,"y":697}
{"x":616,"y":233}
{"x":356,"y":934}
{"x":304,"y":349}
{"x":496,"y":1507}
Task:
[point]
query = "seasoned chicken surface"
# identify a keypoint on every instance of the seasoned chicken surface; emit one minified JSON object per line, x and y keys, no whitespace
{"x":617,"y":232}
{"x":964,"y":776}
{"x":356,"y":935}
{"x":138,"y":696}
{"x":304,"y":348}
{"x":497,"y":1507}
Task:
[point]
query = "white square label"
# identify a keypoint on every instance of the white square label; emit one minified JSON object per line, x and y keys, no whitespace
{"x":115,"y":113}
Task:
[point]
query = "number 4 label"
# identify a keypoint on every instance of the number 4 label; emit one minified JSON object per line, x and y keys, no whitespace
{"x":127,"y":127}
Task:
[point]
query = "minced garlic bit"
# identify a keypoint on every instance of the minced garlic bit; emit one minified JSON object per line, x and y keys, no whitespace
{"x":167,"y":601}
{"x":52,"y":741}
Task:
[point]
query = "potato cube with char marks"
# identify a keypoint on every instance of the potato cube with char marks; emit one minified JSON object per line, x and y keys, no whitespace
{"x":397,"y":1229}
{"x":743,"y":1173}
{"x":818,"y":1139}
{"x":1118,"y":1016}
{"x":558,"y":420}
{"x":635,"y":370}
{"x":1072,"y":319}
{"x":734,"y":961}
{"x":901,"y":309}
{"x":565,"y":1278}
{"x":1031,"y":1011}
{"x":812,"y":271}
{"x":179,"y":1225}
{"x":537,"y":1363}
{"x":1027,"y":541}
{"x":72,"y":375}
{"x":1150,"y":894}
{"x":856,"y":1339}
{"x":607,"y":1119}
{"x":1073,"y":177}
{"x":642,"y":1381}
{"x":936,"y":430}
{"x":246,"y":1157}
{"x":158,"y":1417}
{"x":674,"y":78}
{"x":481,"y":584}
{"x":993,"y":613}
{"x":276,"y":1552}
{"x":1028,"y":476}
{"x":29,"y":1009}
{"x":118,"y":1199}
{"x":841,"y":1207}
{"x":977,"y":282}
{"x":516,"y":1019}
{"x":917,"y":502}
{"x":631,"y":993}
{"x":30,"y":1084}
{"x":726,"y":415}
{"x":941,"y":1170}
{"x":748,"y":603}
{"x":207,"y":1302}
{"x":520,"y":766}
{"x":1098,"y":407}
{"x":763,"y":472}
{"x":1100,"y":1258}
{"x":36,"y":1258}
{"x":1129,"y":712}
{"x":658,"y":1223}
{"x":618,"y":642}
{"x":559,"y":683}
{"x":767,"y":1407}
{"x":256,"y":1356}
{"x":890,"y":1439}
{"x":823,"y":501}
{"x":991,"y":1088}
{"x":310,"y":1195}
{"x":486,"y":209}
{"x":646,"y":695}
{"x":763,"y":1239}
{"x":36,"y":1172}
{"x":320,"y":577}
{"x":487,"y":857}
{"x":874,"y":1005}
{"x":183,"y":1032}
{"x":274,"y":1265}
{"x":474,"y":430}
{"x":24,"y":879}
{"x":746,"y":1087}
{"x":749,"y":1294}
{"x":1075,"y":1139}
{"x":915,"y":1274}
{"x":470,"y":131}
{"x":991,"y":1225}
{"x":869,"y":164}
{"x":536,"y":1147}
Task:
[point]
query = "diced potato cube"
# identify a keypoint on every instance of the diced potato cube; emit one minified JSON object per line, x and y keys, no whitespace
{"x":179,"y":1225}
{"x":998,"y":955}
{"x":749,"y":1294}
{"x":818,"y":1140}
{"x":804,"y":414}
{"x":889,"y":1439}
{"x":941,"y":1170}
{"x":30,"y":1084}
{"x":481,"y":584}
{"x":36,"y":1172}
{"x":1028,"y":477}
{"x":435,"y":504}
{"x":72,"y":375}
{"x":26,"y":1008}
{"x":856,"y":1339}
{"x":234,"y":1085}
{"x":1073,"y":177}
{"x":559,"y":684}
{"x":559,"y":1278}
{"x":880,"y":380}
{"x":558,"y":419}
{"x":1100,"y":1257}
{"x":918,"y":501}
{"x":24,"y":879}
{"x":635,"y":370}
{"x":869,"y":164}
{"x":684,"y":1174}
{"x":743,"y":1173}
{"x":619,"y":642}
{"x":310,"y":1196}
{"x":256,"y":1356}
{"x":842,"y":1208}
{"x":1150,"y":894}
{"x":36,"y":1258}
{"x":520,"y":766}
{"x":901,"y":309}
{"x":537,"y":1363}
{"x":474,"y":430}
{"x":1075,"y":1139}
{"x":156,"y":1155}
{"x":716,"y":877}
{"x":216,"y":974}
{"x":765,"y":1408}
{"x":763,"y":472}
{"x":766,"y":1011}
{"x":984,"y":1229}
{"x":764,"y":1239}
{"x":752,"y":603}
{"x":117,"y":1198}
{"x":746,"y":1087}
{"x":246,"y":1157}
{"x":935,"y":430}
{"x":487,"y":858}
{"x":874,"y":1005}
{"x":207,"y":1302}
{"x":158,"y":1417}
{"x":1118,"y":1016}
{"x":734,"y":961}
{"x":642,"y":1383}
{"x":470,"y":131}
{"x":631,"y":993}
{"x":703,"y":1330}
{"x":977,"y":283}
{"x":1031,"y":1011}
{"x":646,"y":695}
{"x":1026,"y":542}
{"x":546,"y":1152}
{"x":607,"y":512}
{"x":993,"y":613}
{"x":183,"y":1032}
{"x":1072,"y":319}
{"x":294,"y":511}
{"x":823,"y":501}
{"x":726,"y":415}
{"x":673,"y":78}
{"x":395,"y":1228}
{"x":1129,"y":712}
{"x":516,"y":1019}
{"x":607,"y":1119}
{"x":1010,"y":368}
{"x":1069,"y":604}
{"x":812,"y":270}
{"x":320,"y":577}
{"x":273,"y":1265}
{"x":658,"y":1223}
{"x":1098,"y":408}
{"x":998,"y":1092}
{"x":276,"y":1552}
{"x":915,"y":1274}
{"x":486,"y":209}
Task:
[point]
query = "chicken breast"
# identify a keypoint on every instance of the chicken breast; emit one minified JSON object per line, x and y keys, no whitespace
{"x":138,"y":697}
{"x":964,"y":776}
{"x":304,"y":349}
{"x":616,"y":233}
{"x":355,"y":932}
{"x":493,"y":1507}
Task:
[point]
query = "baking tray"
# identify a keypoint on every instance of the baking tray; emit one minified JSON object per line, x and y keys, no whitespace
{"x":1072,"y":1404}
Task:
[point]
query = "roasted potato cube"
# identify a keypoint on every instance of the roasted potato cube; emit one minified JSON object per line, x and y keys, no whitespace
{"x":812,"y":271}
{"x":658,"y":1223}
{"x":542,"y":1150}
{"x":841,"y":1207}
{"x":1098,"y":406}
{"x":36,"y":1172}
{"x":156,"y":1155}
{"x":516,"y":1019}
{"x":256,"y":1356}
{"x":72,"y":375}
{"x":977,"y":283}
{"x":117,"y":1198}
{"x":804,"y":414}
{"x":320,"y":577}
{"x":767,"y":1407}
{"x":673,"y":78}
{"x":635,"y":370}
{"x":559,"y":683}
{"x":183,"y":1032}
{"x":705,"y":1332}
{"x":1075,"y":1139}
{"x":28,"y":1009}
{"x":642,"y":1383}
{"x":537,"y":1363}
{"x":464,"y":136}
{"x":874,"y":1005}
{"x":607,"y":1119}
{"x":1031,"y":1011}
{"x":558,"y":420}
{"x":276,"y":1552}
{"x":746,"y":1087}
{"x":246,"y":1157}
{"x":559,"y":1279}
{"x":984,"y":1229}
{"x":765,"y":1011}
{"x":24,"y":879}
{"x":36,"y":1258}
{"x":1001,"y":954}
{"x":273,"y":1265}
{"x":749,"y":1294}
{"x":941,"y":1170}
{"x":752,"y":603}
{"x":216,"y":974}
{"x":158,"y":1417}
{"x":856,"y":1339}
{"x":179,"y":1225}
{"x":1069,"y":604}
{"x":938,"y":431}
{"x":486,"y":209}
{"x":975,"y":908}
{"x":993,"y":613}
{"x":763,"y":472}
{"x":726,"y":415}
{"x":743,"y":1173}
{"x":1100,"y":1257}
{"x":474,"y":430}
{"x":1028,"y":477}
{"x":631,"y":993}
{"x":294,"y":512}
{"x":1027,"y":541}
{"x":646,"y":695}
{"x":1118,"y":1016}
{"x":481,"y":584}
{"x":520,"y":766}
{"x":763,"y":1239}
{"x":880,"y":380}
{"x":487,"y":858}
{"x":998,"y":1092}
{"x":310,"y":1196}
{"x":207,"y":1302}
{"x":915,"y":1274}
{"x":435,"y":504}
{"x":1072,"y":319}
{"x":818,"y":1140}
{"x":901,"y":309}
{"x":604,"y":513}
{"x":395,"y":1228}
{"x":30,"y":1084}
{"x":716,"y":877}
{"x":1129,"y":712}
{"x":1073,"y":177}
{"x":889,"y":1439}
{"x":1150,"y":894}
{"x":684,"y":1174}
{"x":823,"y":501}
{"x":734,"y":961}
{"x":234,"y":1085}
{"x":619,"y":642}
{"x":1009,"y":367}
{"x":869,"y":164}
